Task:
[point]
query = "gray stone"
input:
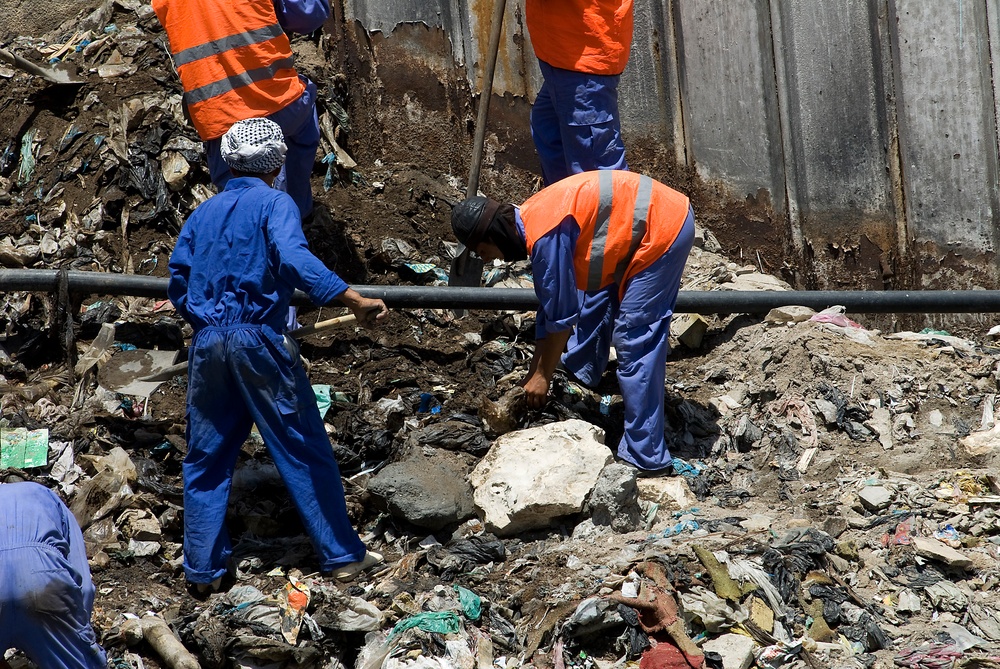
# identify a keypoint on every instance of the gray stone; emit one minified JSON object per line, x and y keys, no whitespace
{"x":835,"y":526}
{"x":530,"y":477}
{"x":615,"y":499}
{"x":827,"y":409}
{"x":429,"y":488}
{"x":875,"y":497}
{"x":935,"y":550}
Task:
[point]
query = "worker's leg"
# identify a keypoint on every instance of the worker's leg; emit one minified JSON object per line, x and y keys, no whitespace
{"x":547,"y":135}
{"x":642,"y":359}
{"x":218,"y":424}
{"x":300,"y":126}
{"x":641,"y":338}
{"x":44,"y":610}
{"x":587,"y":351}
{"x":283,"y":405}
{"x":586,"y":109}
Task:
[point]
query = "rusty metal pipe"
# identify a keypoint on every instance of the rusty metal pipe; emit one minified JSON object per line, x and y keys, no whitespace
{"x":503,"y":299}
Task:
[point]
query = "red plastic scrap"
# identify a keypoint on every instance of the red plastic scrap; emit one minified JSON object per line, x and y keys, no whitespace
{"x":668,"y":656}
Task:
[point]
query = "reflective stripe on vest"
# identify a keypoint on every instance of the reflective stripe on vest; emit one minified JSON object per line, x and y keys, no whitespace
{"x":640,"y":216}
{"x":256,"y":36}
{"x":236,"y":81}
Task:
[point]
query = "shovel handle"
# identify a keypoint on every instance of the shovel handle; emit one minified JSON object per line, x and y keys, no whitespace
{"x":322,"y":326}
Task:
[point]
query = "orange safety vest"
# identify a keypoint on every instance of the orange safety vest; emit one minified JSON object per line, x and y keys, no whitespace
{"x":627,"y":222}
{"x":592,"y":36}
{"x":233,"y":58}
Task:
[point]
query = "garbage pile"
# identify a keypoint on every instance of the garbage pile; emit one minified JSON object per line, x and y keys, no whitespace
{"x":833,"y":503}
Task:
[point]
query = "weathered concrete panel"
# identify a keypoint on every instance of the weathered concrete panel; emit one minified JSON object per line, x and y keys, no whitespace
{"x":727,"y":84}
{"x":835,"y":137}
{"x":948,"y":138}
{"x":649,"y":92}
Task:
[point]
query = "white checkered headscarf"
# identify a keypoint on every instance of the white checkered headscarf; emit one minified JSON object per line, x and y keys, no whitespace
{"x":254,"y":146}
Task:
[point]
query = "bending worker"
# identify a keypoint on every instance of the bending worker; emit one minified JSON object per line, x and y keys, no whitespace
{"x":235,"y":62}
{"x":46,"y":594}
{"x":582,"y":48}
{"x":238,"y":259}
{"x":623,"y":239}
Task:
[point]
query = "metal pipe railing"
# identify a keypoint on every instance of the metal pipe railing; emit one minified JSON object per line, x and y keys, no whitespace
{"x":499,"y":299}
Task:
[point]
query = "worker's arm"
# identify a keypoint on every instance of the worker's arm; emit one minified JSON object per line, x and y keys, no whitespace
{"x":302,"y":16}
{"x":559,"y":306}
{"x":297,"y":265}
{"x":180,"y":269}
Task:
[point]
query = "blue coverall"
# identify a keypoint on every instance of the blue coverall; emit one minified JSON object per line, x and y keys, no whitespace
{"x":298,"y":120}
{"x":638,"y":326}
{"x":238,"y":259}
{"x":574,"y":123}
{"x":46,"y":594}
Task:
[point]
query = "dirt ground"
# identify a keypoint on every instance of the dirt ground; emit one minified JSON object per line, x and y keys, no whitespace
{"x":787,"y":422}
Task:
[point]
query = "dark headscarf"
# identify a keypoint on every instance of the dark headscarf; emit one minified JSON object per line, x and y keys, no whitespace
{"x":479,"y":219}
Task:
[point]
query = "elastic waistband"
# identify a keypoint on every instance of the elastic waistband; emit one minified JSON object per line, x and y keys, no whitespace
{"x":231,"y":328}
{"x":32,"y":544}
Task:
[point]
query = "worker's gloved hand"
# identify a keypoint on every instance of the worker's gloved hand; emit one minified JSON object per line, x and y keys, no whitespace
{"x":536,"y":390}
{"x":366,"y":310}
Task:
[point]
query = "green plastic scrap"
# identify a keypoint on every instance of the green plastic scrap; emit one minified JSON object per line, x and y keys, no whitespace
{"x":27,"y":168}
{"x":440,"y":622}
{"x":22,"y":449}
{"x":323,"y":401}
{"x":472,"y":604}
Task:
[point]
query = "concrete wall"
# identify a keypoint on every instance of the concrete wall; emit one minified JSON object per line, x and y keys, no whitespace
{"x":868,"y":127}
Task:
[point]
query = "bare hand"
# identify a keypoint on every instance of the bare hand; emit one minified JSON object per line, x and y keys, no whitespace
{"x":369,"y":311}
{"x":536,"y":390}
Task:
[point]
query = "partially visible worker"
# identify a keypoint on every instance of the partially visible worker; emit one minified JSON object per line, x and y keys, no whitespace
{"x":238,"y":259}
{"x":621,"y":238}
{"x":235,"y":62}
{"x":46,"y":593}
{"x":582,"y":48}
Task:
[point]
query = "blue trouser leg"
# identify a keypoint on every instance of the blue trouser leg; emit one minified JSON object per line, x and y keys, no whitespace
{"x":300,"y":126}
{"x":218,"y":425}
{"x":44,"y":610}
{"x":575,"y":123}
{"x":588,"y":348}
{"x":277,"y":394}
{"x":245,"y":375}
{"x":641,"y":337}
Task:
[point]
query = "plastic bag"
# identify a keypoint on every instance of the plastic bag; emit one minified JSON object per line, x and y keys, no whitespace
{"x":472,"y":605}
{"x":439,"y":622}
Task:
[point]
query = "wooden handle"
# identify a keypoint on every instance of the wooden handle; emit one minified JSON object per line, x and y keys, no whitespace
{"x":323,"y":326}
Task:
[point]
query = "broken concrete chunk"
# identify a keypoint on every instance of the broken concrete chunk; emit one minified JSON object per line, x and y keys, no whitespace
{"x":935,"y":550}
{"x":789,"y":314}
{"x":736,"y":650}
{"x":689,"y":329}
{"x":875,"y":497}
{"x":530,"y":477}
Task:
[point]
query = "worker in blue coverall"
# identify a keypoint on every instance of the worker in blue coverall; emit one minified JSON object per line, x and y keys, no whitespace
{"x":636,"y":319}
{"x":298,"y":120}
{"x":46,"y":594}
{"x":236,"y":264}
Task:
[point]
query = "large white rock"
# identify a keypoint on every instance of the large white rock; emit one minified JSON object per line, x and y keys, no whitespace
{"x":530,"y":477}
